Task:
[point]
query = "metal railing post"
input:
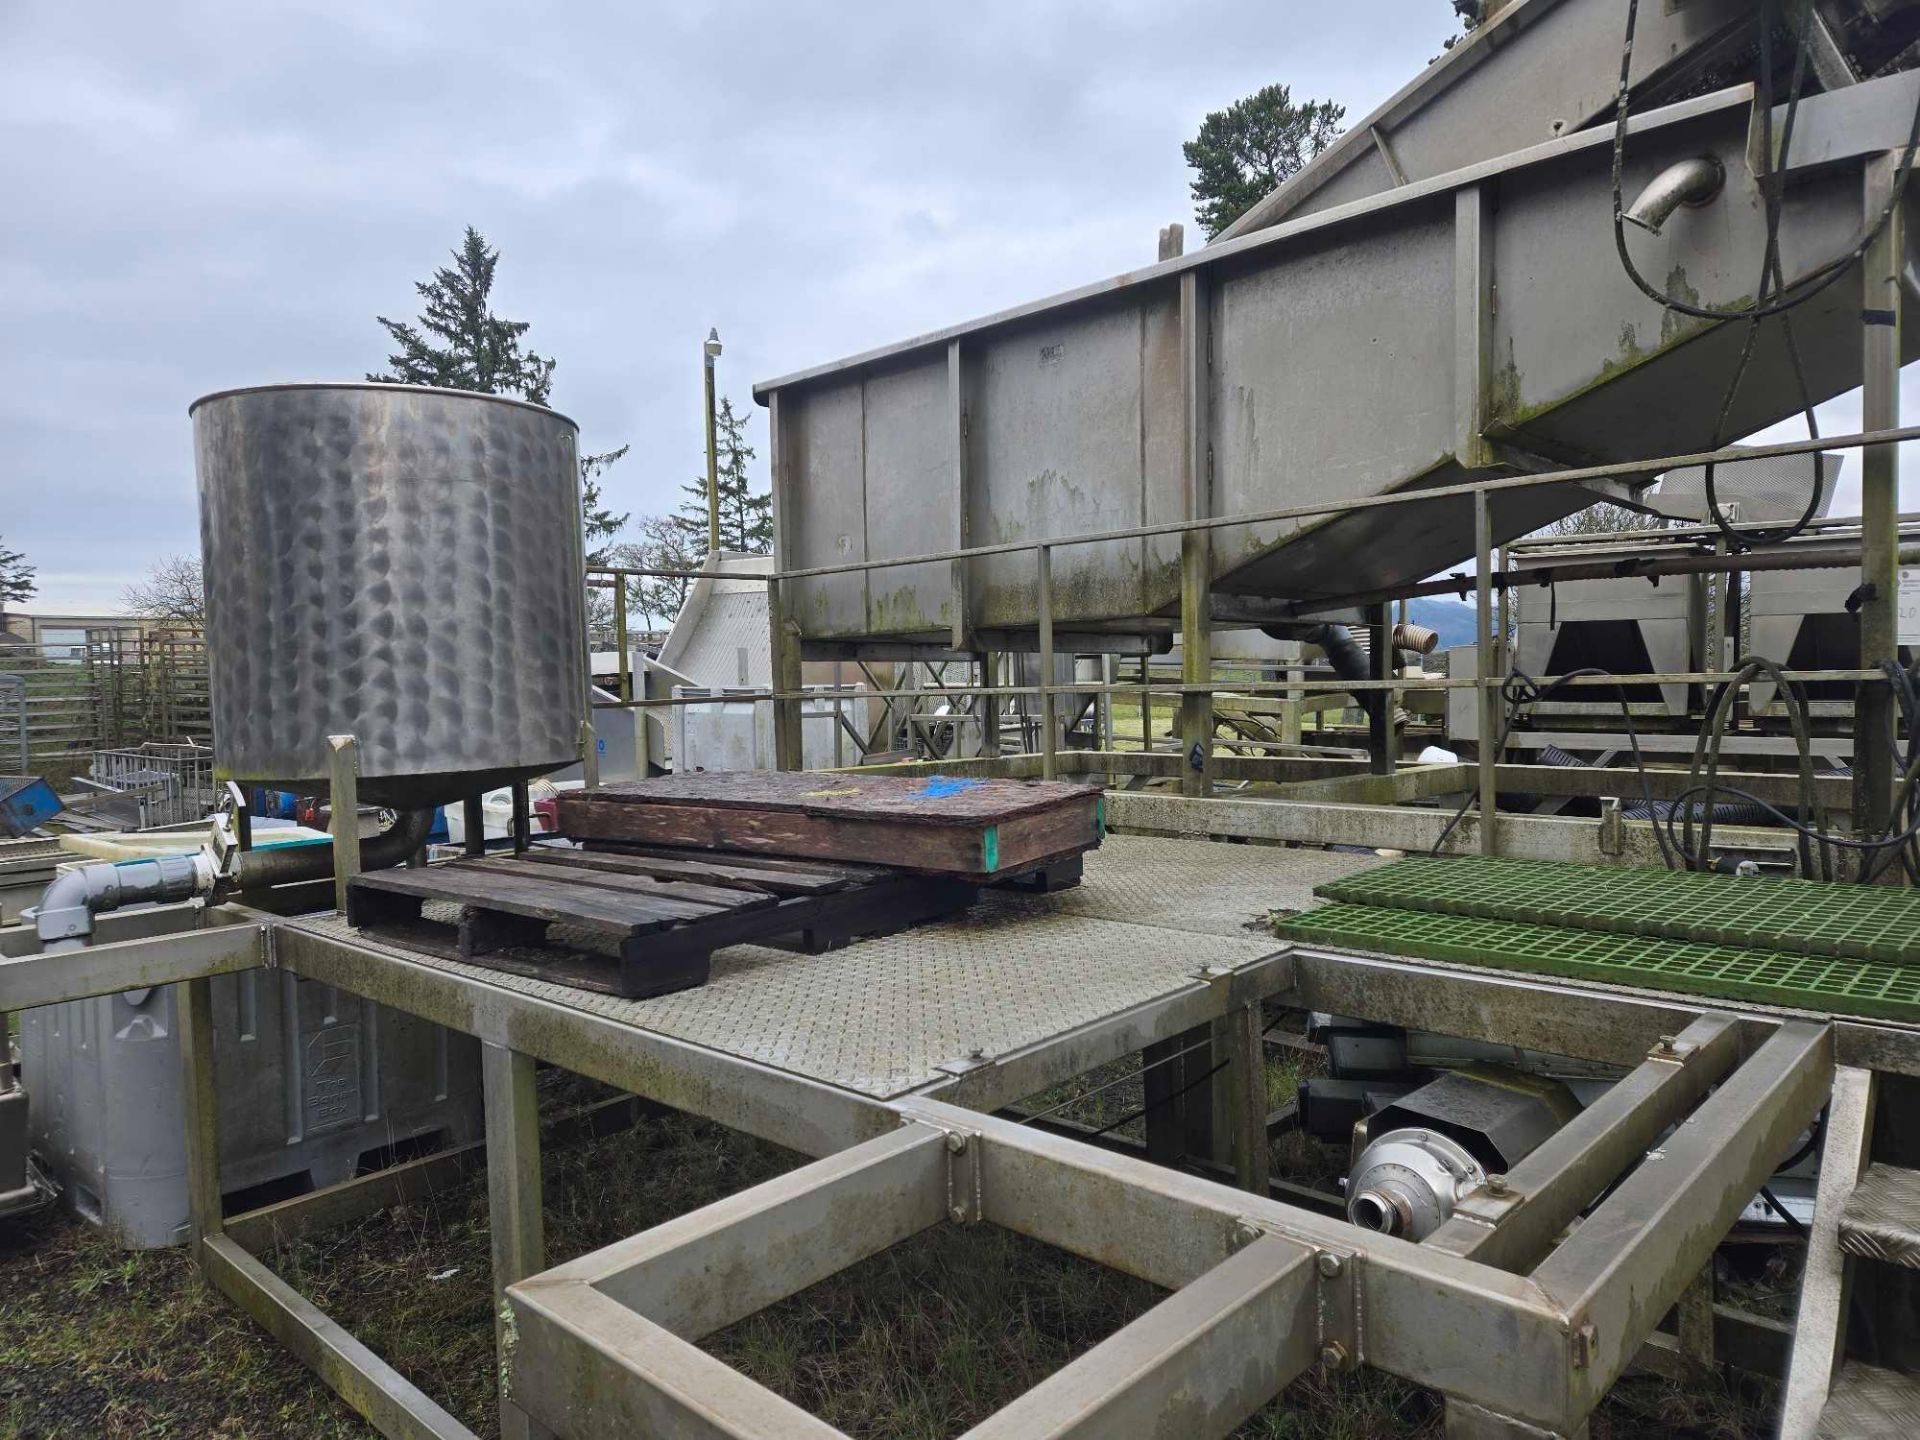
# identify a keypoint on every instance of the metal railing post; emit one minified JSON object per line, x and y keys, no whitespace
{"x":620,"y":636}
{"x":343,"y":787}
{"x":1487,"y":691}
{"x":1879,"y":502}
{"x":1048,"y":762}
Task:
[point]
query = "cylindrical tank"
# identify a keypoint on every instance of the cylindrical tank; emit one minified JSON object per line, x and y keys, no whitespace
{"x":399,"y":564}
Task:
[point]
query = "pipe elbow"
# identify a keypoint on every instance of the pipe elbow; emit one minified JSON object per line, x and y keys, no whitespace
{"x":64,"y":916}
{"x":1685,"y":182}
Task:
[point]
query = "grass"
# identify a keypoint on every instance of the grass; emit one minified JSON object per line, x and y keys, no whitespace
{"x":917,"y":1342}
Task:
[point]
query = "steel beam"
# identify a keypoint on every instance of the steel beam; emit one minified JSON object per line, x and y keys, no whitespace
{"x":1192,"y":1008}
{"x":118,"y":925}
{"x":1196,"y":546}
{"x":1820,"y":1319}
{"x":1195,"y":1365}
{"x":40,"y":979}
{"x":1631,"y":1258}
{"x":703,"y":1271}
{"x":592,"y":1369}
{"x":1533,"y":837}
{"x":377,"y":1392}
{"x":770,"y":1104}
{"x":1429,"y":1317}
{"x":1547,"y":1190}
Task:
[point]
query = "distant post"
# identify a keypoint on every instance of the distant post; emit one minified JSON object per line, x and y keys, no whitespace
{"x":712,"y":353}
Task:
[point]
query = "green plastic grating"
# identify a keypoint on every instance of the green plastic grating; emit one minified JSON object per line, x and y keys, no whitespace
{"x":1825,"y":984}
{"x":1810,"y":917}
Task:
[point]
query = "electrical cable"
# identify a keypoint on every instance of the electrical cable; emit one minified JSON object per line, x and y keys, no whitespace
{"x":1520,"y":688}
{"x":1818,"y":278}
{"x":1772,"y":274}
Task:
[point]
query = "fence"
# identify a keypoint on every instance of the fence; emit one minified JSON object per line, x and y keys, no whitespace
{"x":119,"y":688}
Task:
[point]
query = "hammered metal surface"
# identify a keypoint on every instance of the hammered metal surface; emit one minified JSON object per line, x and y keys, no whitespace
{"x":1881,"y":1219}
{"x":880,"y":1016}
{"x":1200,"y":885}
{"x":397,"y":564}
{"x":1868,"y":1403}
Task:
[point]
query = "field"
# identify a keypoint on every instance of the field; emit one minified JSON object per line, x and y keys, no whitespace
{"x":918,"y":1342}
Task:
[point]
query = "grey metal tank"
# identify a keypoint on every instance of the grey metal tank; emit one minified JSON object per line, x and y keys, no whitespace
{"x":396,"y":563}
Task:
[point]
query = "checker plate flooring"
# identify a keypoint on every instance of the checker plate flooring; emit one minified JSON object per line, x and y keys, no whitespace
{"x":881,"y":1016}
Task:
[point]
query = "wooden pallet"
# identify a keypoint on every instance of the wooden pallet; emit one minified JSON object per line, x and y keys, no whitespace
{"x":981,"y":830}
{"x":661,"y":912}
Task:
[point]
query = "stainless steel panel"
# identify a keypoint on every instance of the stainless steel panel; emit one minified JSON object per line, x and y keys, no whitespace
{"x":824,"y":509}
{"x":911,"y":455}
{"x":394,"y":563}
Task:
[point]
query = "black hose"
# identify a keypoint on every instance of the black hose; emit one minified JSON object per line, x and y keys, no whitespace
{"x":289,"y":864}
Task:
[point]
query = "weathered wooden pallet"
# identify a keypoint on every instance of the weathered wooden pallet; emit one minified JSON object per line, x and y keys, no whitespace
{"x":980,"y":830}
{"x":662,"y":913}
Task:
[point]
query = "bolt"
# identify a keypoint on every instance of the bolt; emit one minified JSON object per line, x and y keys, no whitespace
{"x":1330,"y":1265}
{"x":1333,"y":1355}
{"x":976,"y":1053}
{"x":1496,"y":1184}
{"x":958,"y":1214}
{"x":1666,"y":1045}
{"x":956,"y":1144}
{"x":1245,"y":1234}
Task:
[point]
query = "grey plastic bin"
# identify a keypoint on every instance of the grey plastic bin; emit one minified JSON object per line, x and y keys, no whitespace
{"x":312,"y":1082}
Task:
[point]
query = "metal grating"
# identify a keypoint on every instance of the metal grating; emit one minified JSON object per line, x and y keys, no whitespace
{"x":1200,"y":886}
{"x":881,"y":1016}
{"x":1868,"y":1403}
{"x":1881,"y":1219}
{"x":1809,"y":917}
{"x":1826,"y":984}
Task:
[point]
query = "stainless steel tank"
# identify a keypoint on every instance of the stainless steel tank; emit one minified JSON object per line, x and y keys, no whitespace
{"x":399,"y":564}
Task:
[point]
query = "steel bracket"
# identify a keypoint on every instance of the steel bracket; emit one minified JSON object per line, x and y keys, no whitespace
{"x":964,"y":1205}
{"x":1339,"y":1314}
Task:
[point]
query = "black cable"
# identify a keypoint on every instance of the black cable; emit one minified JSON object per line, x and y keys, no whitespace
{"x":1807,"y":286}
{"x":1520,"y":688}
{"x":1773,"y":1204}
{"x":1772,"y":274}
{"x":1161,"y":1103}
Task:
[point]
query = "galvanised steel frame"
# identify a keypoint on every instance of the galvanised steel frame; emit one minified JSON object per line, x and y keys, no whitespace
{"x":1521,"y":1329}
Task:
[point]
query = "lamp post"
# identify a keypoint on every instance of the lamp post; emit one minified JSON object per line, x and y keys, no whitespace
{"x":712,"y":350}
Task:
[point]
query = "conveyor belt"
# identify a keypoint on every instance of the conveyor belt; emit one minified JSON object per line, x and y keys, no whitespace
{"x":1808,"y":917}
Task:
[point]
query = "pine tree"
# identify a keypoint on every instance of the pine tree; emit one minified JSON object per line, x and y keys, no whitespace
{"x":597,"y":522}
{"x":477,"y":350}
{"x":746,"y":517}
{"x":1249,"y":148}
{"x":16,"y":576}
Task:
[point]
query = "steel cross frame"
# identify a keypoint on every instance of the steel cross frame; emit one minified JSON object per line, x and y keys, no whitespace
{"x":1262,"y":1288}
{"x":608,"y":1343}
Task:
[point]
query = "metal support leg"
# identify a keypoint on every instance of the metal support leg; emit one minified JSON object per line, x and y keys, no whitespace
{"x":193,"y":1013}
{"x":787,"y":751}
{"x":1879,"y":504}
{"x":1820,"y":1320}
{"x":513,"y":1206}
{"x":1246,"y":1077}
{"x":473,"y":821}
{"x":1380,"y":738}
{"x":1196,"y":546}
{"x":522,"y":818}
{"x":343,"y":784}
{"x":1694,"y":1312}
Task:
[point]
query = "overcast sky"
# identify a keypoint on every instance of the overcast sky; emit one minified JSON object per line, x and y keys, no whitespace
{"x":207,"y":195}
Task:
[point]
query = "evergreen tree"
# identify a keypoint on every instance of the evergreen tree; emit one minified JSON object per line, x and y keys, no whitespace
{"x":16,"y":576}
{"x":1247,"y":149}
{"x":475,"y":349}
{"x":746,"y":517}
{"x":597,"y":522}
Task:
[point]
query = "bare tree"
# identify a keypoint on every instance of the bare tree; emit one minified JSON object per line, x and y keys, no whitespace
{"x":174,"y":592}
{"x":664,"y":544}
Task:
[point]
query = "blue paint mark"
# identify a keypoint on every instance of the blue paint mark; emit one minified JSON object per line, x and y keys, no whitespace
{"x":941,"y":786}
